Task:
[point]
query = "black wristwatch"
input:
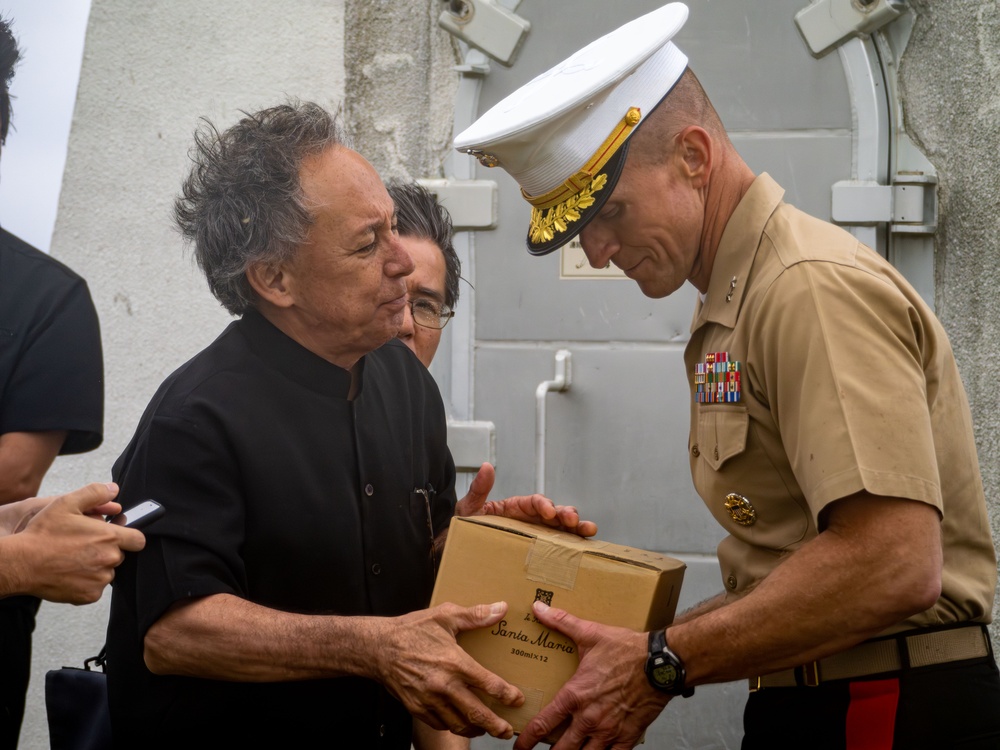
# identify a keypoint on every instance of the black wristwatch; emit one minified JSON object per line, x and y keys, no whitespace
{"x":664,"y":670}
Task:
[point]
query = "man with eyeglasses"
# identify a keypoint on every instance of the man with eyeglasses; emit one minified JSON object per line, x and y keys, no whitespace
{"x":432,"y":289}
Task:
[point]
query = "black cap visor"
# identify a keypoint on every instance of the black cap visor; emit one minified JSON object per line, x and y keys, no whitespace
{"x":555,"y":217}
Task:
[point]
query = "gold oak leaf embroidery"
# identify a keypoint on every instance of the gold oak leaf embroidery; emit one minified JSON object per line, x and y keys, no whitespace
{"x":544,"y":226}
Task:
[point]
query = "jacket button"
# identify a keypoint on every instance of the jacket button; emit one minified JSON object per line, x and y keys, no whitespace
{"x":731,"y":582}
{"x":369,"y":490}
{"x":694,"y":450}
{"x":376,"y":569}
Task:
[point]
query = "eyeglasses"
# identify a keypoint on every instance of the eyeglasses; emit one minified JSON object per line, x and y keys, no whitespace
{"x":430,"y":314}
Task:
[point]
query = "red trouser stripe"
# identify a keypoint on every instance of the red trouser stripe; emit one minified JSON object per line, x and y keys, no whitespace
{"x":871,"y":715}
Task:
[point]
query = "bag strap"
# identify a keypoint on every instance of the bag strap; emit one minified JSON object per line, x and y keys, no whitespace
{"x":98,"y":661}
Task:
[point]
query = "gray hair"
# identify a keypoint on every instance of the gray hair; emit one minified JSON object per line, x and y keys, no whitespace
{"x":418,"y":214}
{"x":242,"y":204}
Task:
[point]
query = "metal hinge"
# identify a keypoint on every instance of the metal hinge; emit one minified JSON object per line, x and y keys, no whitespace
{"x":486,"y":25}
{"x":826,"y":24}
{"x":908,"y":205}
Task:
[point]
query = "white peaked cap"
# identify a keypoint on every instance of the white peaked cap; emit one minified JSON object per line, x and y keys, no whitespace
{"x":564,"y":135}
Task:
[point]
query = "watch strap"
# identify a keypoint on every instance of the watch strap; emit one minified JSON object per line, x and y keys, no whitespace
{"x":657,"y":642}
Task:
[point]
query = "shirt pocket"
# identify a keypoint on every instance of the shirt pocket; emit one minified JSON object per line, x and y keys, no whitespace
{"x":740,"y":484}
{"x":721,"y":434}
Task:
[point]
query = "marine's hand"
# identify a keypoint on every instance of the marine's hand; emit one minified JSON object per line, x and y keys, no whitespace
{"x":531,"y":508}
{"x":608,"y":702}
{"x":423,"y":666}
{"x":64,"y":551}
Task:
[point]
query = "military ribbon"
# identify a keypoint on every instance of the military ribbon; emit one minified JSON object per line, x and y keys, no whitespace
{"x":717,"y":379}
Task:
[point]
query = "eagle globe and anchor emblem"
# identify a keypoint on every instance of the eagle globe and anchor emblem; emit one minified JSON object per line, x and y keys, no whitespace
{"x":740,"y":509}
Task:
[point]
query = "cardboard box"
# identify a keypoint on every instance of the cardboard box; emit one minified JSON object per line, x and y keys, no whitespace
{"x":488,"y":559}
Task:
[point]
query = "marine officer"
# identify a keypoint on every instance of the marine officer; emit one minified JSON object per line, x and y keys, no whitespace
{"x":830,"y":432}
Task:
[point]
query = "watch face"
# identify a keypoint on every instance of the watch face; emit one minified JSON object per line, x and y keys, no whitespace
{"x":665,"y":675}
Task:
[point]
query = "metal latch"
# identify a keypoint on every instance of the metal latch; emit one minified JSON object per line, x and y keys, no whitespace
{"x":471,"y":443}
{"x":908,"y":205}
{"x":487,"y":26}
{"x":472,"y":204}
{"x":826,"y":24}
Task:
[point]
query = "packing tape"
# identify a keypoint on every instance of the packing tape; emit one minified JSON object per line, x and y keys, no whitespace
{"x":553,"y":564}
{"x":532,"y":699}
{"x":520,"y":716}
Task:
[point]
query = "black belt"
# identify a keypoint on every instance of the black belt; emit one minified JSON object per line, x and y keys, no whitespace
{"x":909,"y":650}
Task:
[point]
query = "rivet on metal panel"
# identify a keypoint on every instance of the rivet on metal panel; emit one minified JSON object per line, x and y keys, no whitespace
{"x":460,"y":8}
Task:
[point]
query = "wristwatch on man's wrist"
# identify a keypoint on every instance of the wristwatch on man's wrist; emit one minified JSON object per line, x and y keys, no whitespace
{"x":664,"y":670}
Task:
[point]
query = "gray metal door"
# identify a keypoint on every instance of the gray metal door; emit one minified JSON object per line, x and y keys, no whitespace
{"x":615,"y":440}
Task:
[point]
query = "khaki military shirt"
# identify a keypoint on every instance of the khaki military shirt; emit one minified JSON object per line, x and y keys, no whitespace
{"x":817,"y":372}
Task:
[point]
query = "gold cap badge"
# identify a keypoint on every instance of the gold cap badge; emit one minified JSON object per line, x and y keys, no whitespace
{"x":487,"y":160}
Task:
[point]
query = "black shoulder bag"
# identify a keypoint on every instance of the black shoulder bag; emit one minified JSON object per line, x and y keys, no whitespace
{"x":76,"y":701}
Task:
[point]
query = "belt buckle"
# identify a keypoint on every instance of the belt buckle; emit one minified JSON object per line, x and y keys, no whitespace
{"x":810,"y":674}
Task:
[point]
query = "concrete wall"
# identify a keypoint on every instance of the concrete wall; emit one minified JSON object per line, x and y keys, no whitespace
{"x":950,"y":78}
{"x":400,"y":85}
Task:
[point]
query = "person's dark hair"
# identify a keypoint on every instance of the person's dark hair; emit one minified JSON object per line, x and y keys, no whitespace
{"x":242,"y":203}
{"x":418,"y":214}
{"x":9,"y":57}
